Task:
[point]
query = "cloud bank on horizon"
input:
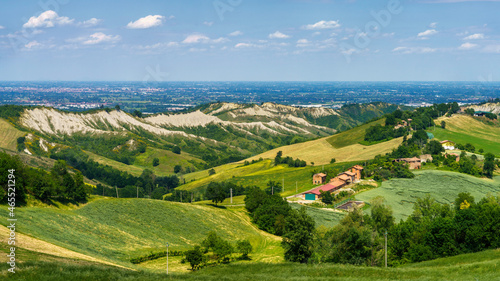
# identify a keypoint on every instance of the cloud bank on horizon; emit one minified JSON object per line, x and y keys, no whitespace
{"x":251,"y":40}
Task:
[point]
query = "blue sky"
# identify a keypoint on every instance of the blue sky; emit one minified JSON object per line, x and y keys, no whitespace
{"x":250,"y":40}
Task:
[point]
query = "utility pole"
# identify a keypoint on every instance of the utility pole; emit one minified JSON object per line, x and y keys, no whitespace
{"x":137,"y":191}
{"x":167,"y":258}
{"x":116,"y":191}
{"x":231,"y":195}
{"x":181,"y":196}
{"x":283,"y":186}
{"x":385,"y":235}
{"x":296,"y":187}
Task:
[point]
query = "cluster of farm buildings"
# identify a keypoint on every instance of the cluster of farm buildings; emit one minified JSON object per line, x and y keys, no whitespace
{"x":346,"y":178}
{"x":353,"y":175}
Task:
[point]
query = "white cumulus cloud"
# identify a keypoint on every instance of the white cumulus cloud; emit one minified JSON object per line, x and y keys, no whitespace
{"x":323,"y":25}
{"x":414,"y":50}
{"x":90,"y":23}
{"x":236,"y":33}
{"x":32,"y":45}
{"x":475,"y":36}
{"x":196,"y":38}
{"x":203,"y":39}
{"x":1,"y":27}
{"x":97,"y":38}
{"x":468,"y":46}
{"x":427,"y":33}
{"x":47,"y":19}
{"x":146,"y":22}
{"x":278,"y":35}
{"x":243,"y":45}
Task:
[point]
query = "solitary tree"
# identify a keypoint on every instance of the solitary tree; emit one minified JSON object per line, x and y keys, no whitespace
{"x":177,"y":169}
{"x":156,"y":162}
{"x":277,"y":159}
{"x":443,"y":124}
{"x":215,"y":192}
{"x":244,"y":248}
{"x":326,"y":197}
{"x":176,"y":150}
{"x":489,"y":165}
{"x":195,"y":257}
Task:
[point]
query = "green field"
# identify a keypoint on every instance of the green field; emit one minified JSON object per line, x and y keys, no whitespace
{"x":9,"y":135}
{"x":477,"y":266}
{"x":259,"y":174}
{"x":444,"y":186}
{"x":465,"y":129}
{"x":352,"y":136}
{"x":167,"y":158}
{"x":116,"y":230}
{"x":322,"y":217}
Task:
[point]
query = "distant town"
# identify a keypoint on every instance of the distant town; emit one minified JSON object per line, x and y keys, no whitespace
{"x":176,"y":96}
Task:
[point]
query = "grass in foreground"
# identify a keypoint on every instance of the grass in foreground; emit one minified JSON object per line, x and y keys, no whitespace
{"x":478,"y":266}
{"x":116,"y":230}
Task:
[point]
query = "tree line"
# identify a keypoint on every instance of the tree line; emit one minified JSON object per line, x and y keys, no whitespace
{"x":147,"y":183}
{"x":59,"y":184}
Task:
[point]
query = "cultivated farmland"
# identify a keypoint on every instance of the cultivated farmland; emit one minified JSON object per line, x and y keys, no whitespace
{"x":465,"y":129}
{"x":115,"y":230}
{"x":9,"y":135}
{"x":444,"y":186}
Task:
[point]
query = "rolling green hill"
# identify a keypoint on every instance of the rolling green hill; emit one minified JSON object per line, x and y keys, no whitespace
{"x":352,"y":136}
{"x":260,"y":173}
{"x":9,"y":135}
{"x":143,"y":161}
{"x":466,"y":129}
{"x":444,"y":186}
{"x":115,"y":230}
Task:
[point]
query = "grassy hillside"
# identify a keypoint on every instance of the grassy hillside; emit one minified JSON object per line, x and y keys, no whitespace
{"x":478,"y":266}
{"x":260,"y":173}
{"x":466,"y":129}
{"x":321,"y":151}
{"x":167,"y":158}
{"x":115,"y":230}
{"x":352,"y":136}
{"x":9,"y":135}
{"x":444,"y":186}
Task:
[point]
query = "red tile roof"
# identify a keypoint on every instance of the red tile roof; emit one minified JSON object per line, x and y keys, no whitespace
{"x":327,"y":187}
{"x":357,"y":167}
